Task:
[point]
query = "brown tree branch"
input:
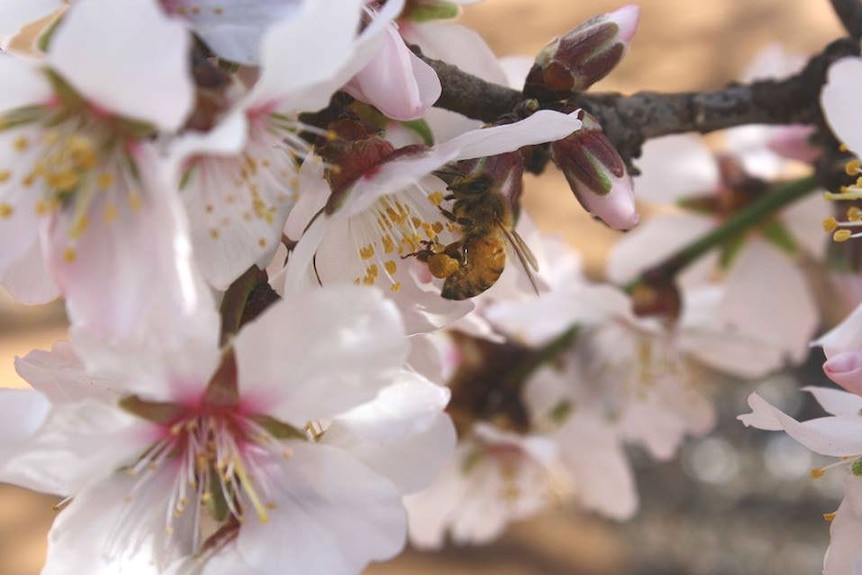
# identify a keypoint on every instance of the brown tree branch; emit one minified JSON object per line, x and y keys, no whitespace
{"x":850,"y":14}
{"x":631,"y":120}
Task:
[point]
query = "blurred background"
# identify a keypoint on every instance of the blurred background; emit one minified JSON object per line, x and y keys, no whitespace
{"x":735,"y":502}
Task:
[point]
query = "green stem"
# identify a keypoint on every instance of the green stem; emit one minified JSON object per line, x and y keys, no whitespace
{"x":545,"y":354}
{"x":774,"y":200}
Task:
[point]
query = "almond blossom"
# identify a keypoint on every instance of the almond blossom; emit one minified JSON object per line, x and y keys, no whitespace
{"x":365,"y":230}
{"x":284,"y":452}
{"x":231,"y":28}
{"x":495,"y":477}
{"x":83,"y":188}
{"x":240,"y":179}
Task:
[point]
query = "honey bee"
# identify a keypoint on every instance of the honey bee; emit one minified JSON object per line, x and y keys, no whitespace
{"x":474,"y":262}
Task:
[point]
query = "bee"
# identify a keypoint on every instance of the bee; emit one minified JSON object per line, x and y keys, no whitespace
{"x":474,"y":262}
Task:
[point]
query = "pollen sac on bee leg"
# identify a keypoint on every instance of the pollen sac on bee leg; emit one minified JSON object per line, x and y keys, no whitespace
{"x":579,"y":59}
{"x":597,"y":174}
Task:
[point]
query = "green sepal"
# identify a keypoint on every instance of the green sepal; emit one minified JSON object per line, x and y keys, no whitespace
{"x":44,"y":41}
{"x":422,"y":129}
{"x":776,"y":233}
{"x":158,"y":412}
{"x":560,"y":412}
{"x":437,"y":11}
{"x":279,"y":429}
{"x":730,"y":250}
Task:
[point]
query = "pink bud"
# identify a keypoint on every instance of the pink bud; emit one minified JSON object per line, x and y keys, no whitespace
{"x":574,"y":62}
{"x":793,"y":142}
{"x":597,"y":174}
{"x":845,"y":369}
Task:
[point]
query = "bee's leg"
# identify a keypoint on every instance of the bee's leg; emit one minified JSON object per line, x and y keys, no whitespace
{"x":467,"y":222}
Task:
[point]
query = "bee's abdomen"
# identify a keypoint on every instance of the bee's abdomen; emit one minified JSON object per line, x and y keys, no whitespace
{"x":485,"y":258}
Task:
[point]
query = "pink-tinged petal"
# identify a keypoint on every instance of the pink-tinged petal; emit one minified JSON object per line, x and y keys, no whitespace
{"x":128,"y":274}
{"x":445,"y":125}
{"x":24,"y":82}
{"x":543,"y":126}
{"x":296,"y":379}
{"x":238,"y":191}
{"x":28,"y":280}
{"x":592,"y":453}
{"x":846,"y":336}
{"x":16,"y":14}
{"x":457,"y":45}
{"x":538,"y":321}
{"x":749,"y":145}
{"x":836,"y":436}
{"x":305,"y":51}
{"x":653,"y":241}
{"x":233,"y":29}
{"x":762,"y":416}
{"x":844,"y":554}
{"x":396,"y":81}
{"x":409,"y":461}
{"x":105,"y":49}
{"x":794,"y":143}
{"x":845,"y":369}
{"x":331,"y":515}
{"x":707,"y":337}
{"x":405,"y":408}
{"x":405,"y":422}
{"x":840,"y":102}
{"x":60,"y":376}
{"x":675,"y":167}
{"x":22,"y":413}
{"x":106,"y":530}
{"x":762,"y":269}
{"x":804,"y":222}
{"x":835,"y":401}
{"x":71,"y":448}
{"x":19,"y":204}
{"x":430,"y":511}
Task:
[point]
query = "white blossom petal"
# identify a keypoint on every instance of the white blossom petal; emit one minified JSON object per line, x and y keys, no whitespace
{"x":364,"y":347}
{"x":105,"y":49}
{"x":332,"y":516}
{"x":675,"y":167}
{"x":840,"y":103}
{"x":837,"y":436}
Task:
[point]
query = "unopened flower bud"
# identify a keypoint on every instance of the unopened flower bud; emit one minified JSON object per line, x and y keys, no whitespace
{"x":576,"y":61}
{"x":597,"y":174}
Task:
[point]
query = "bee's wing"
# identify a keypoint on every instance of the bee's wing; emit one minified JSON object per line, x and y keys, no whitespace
{"x":525,"y":256}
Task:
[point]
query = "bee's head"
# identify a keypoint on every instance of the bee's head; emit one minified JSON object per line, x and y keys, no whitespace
{"x":476,"y":183}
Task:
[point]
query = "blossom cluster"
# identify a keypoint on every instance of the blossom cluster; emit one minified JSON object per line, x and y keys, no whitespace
{"x":309,"y":319}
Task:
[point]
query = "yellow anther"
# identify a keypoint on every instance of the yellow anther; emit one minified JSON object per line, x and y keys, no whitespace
{"x":4,"y":176}
{"x":214,"y":233}
{"x":817,"y":473}
{"x":828,"y":516}
{"x":69,"y":255}
{"x":390,"y":266}
{"x":853,"y":167}
{"x":5,"y":210}
{"x":366,"y":252}
{"x":395,"y":287}
{"x":436,"y":198}
{"x":388,"y":244}
{"x":65,"y":181}
{"x":135,"y":201}
{"x":80,"y":226}
{"x":105,"y":180}
{"x":331,"y":135}
{"x":437,"y":227}
{"x":81,"y":152}
{"x":830,"y":224}
{"x":261,"y":242}
{"x":21,"y":144}
{"x":373,"y":271}
{"x":854,"y":214}
{"x":842,"y":235}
